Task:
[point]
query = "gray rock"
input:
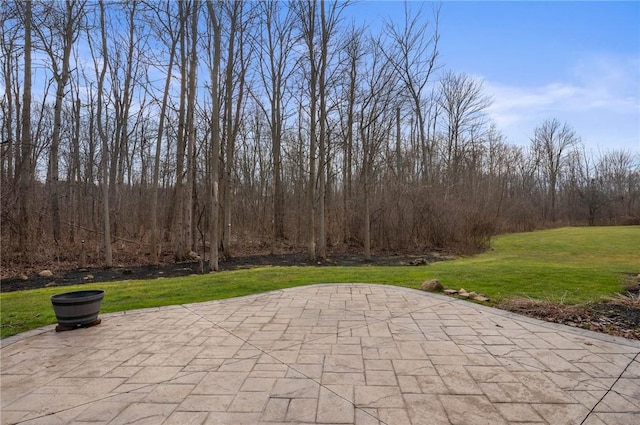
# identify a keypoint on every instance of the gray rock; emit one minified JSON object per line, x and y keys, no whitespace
{"x":481,"y":298}
{"x":450,"y":291}
{"x":431,"y":286}
{"x":46,"y":273}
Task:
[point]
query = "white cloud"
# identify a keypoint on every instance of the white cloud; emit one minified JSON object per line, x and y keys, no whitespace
{"x":600,"y":98}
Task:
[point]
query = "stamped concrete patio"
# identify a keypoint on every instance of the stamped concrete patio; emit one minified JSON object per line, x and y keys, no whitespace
{"x":324,"y":354}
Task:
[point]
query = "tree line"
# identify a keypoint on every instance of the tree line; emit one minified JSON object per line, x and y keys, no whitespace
{"x":163,"y":128}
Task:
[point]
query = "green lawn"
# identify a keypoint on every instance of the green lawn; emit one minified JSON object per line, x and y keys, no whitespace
{"x":570,"y":265}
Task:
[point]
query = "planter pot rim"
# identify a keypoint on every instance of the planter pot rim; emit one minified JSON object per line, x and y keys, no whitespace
{"x":89,"y":293}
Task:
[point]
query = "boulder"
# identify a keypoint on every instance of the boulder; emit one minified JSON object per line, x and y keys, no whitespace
{"x":431,"y":285}
{"x":46,"y":273}
{"x":193,"y":256}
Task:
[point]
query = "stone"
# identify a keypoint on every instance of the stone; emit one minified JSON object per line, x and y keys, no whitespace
{"x":88,"y":277}
{"x":193,"y":256}
{"x":450,"y":291}
{"x":46,"y":273}
{"x":463,"y":294}
{"x":431,"y":285}
{"x":51,"y":284}
{"x":473,"y":295}
{"x":481,"y":298}
{"x":24,"y":277}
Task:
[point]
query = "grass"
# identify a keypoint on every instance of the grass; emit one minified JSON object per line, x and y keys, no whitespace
{"x":568,"y":265}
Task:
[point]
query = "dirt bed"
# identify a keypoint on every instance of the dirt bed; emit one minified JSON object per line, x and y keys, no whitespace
{"x":619,"y":316}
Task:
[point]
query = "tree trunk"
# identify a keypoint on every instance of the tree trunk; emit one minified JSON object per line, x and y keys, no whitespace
{"x":25,"y":165}
{"x":309,"y":35}
{"x":214,"y":218}
{"x":179,"y":198}
{"x":322,"y":116}
{"x":108,"y":257}
{"x":231,"y":129}
{"x":191,"y":132}
{"x":367,"y":202}
{"x":75,"y":195}
{"x":156,"y":165}
{"x":399,"y":174}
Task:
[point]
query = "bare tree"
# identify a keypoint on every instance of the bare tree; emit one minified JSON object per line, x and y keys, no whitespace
{"x":214,"y":154}
{"x":274,"y":57}
{"x":619,"y":172}
{"x":413,"y":53}
{"x":182,"y":209}
{"x":328,"y":27}
{"x":306,"y":13}
{"x":167,"y":28}
{"x":354,"y":48}
{"x":233,"y":106}
{"x":25,"y":166}
{"x":108,"y":256}
{"x":124,"y":72}
{"x":551,"y":143}
{"x":9,"y":51}
{"x":376,"y":121}
{"x":464,"y":107}
{"x":58,"y":31}
{"x":191,"y":129}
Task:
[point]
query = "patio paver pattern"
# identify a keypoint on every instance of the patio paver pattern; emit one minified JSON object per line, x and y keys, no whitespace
{"x":323,"y":354}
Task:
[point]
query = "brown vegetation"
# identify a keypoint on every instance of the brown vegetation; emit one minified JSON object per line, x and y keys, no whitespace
{"x":619,"y":316}
{"x":235,"y":125}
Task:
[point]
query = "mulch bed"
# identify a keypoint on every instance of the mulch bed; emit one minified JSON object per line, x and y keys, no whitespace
{"x":618,"y":316}
{"x":77,"y":276}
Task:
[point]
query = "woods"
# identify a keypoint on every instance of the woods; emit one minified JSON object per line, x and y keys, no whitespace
{"x":159,"y":130}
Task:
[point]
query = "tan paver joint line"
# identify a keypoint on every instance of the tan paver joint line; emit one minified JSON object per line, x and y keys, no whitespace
{"x":610,"y":388}
{"x":309,"y":299}
{"x":320,"y":385}
{"x":400,"y":325}
{"x":280,"y":348}
{"x":66,"y":409}
{"x":113,"y":395}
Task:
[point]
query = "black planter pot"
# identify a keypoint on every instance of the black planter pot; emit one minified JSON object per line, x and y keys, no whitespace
{"x":77,"y":309}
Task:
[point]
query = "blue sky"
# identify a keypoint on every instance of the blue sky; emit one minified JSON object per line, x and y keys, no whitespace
{"x":578,"y":62}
